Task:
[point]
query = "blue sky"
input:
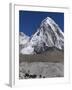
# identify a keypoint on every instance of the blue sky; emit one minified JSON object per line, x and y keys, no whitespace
{"x":29,"y":21}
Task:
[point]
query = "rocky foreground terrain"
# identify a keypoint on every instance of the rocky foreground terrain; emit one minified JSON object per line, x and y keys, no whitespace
{"x":40,"y":70}
{"x":46,"y":65}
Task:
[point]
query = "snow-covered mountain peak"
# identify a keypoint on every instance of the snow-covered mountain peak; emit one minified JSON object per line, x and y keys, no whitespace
{"x":48,"y":19}
{"x":48,"y":35}
{"x":50,"y":23}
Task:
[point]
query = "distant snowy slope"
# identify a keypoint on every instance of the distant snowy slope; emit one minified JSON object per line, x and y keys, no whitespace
{"x":23,"y":39}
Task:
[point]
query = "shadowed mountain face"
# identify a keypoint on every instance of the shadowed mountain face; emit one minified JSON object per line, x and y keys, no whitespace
{"x":48,"y":36}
